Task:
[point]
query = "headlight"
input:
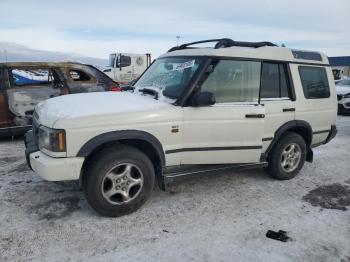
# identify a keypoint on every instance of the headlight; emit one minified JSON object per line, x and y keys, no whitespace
{"x":347,"y":95}
{"x":53,"y":140}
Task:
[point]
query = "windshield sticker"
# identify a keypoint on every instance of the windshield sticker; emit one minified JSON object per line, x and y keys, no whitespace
{"x":184,"y":65}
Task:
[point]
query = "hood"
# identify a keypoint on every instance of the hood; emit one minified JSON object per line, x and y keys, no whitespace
{"x":342,"y":89}
{"x":94,"y":104}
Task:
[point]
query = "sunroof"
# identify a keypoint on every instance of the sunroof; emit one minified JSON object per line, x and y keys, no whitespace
{"x":307,"y":55}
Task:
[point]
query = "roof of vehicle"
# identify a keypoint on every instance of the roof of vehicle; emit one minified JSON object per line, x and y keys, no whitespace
{"x":259,"y":50}
{"x":41,"y":64}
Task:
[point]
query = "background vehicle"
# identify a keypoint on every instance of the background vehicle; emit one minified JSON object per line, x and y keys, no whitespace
{"x":23,"y":85}
{"x":124,"y":67}
{"x":337,"y":74}
{"x":343,"y":93}
{"x":237,"y":105}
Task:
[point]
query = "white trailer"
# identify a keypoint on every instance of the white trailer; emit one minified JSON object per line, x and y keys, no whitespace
{"x":125,"y":67}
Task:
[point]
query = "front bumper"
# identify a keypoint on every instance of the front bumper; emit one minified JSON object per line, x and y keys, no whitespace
{"x":343,"y":104}
{"x":56,"y":169}
{"x":30,"y":145}
{"x":51,"y":168}
{"x":342,"y":109}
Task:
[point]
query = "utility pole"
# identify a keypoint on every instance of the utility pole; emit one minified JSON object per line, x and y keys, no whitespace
{"x":5,"y":55}
{"x":177,"y":40}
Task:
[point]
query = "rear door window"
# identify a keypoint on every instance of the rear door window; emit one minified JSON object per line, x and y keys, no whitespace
{"x":274,"y":81}
{"x":314,"y":81}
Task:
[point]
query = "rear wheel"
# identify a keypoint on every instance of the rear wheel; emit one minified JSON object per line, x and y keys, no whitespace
{"x":119,"y":181}
{"x":287,"y":157}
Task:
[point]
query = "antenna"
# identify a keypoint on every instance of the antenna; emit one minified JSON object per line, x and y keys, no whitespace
{"x":177,"y":40}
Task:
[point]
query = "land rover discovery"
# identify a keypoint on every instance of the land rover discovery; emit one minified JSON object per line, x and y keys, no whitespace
{"x":234,"y":105}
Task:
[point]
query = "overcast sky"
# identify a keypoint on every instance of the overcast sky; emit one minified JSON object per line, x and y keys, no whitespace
{"x":97,"y":28}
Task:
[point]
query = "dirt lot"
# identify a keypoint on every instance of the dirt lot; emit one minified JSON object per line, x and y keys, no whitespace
{"x":218,"y":217}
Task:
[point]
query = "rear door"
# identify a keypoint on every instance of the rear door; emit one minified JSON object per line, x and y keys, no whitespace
{"x":231,"y":130}
{"x":28,"y":87}
{"x":277,"y":97}
{"x":316,"y":99}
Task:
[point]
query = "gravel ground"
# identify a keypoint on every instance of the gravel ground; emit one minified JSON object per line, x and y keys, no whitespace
{"x":218,"y":217}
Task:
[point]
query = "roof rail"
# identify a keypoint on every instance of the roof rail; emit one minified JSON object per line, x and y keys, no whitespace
{"x":223,"y":43}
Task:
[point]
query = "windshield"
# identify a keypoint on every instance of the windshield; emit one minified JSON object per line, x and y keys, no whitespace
{"x":169,"y":76}
{"x":111,"y":60}
{"x":344,"y":82}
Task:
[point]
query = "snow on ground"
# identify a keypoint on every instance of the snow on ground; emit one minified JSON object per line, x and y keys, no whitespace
{"x":218,"y":217}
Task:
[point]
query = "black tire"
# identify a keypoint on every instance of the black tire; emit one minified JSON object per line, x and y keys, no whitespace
{"x":101,"y":164}
{"x":275,"y":167}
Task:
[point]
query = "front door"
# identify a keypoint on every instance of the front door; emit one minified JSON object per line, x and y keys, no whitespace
{"x":231,"y":130}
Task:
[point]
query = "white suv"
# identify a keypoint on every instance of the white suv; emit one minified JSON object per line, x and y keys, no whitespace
{"x":343,"y":93}
{"x":236,"y":105}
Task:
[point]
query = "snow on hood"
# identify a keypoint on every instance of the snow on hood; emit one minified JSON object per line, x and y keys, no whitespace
{"x":342,"y":89}
{"x":92,"y":104}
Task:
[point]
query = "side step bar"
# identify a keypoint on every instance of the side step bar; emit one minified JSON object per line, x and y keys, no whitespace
{"x":170,"y":173}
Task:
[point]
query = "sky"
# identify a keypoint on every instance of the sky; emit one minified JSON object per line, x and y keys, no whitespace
{"x":98,"y":28}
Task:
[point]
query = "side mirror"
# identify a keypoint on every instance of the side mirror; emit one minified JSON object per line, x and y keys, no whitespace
{"x":203,"y":99}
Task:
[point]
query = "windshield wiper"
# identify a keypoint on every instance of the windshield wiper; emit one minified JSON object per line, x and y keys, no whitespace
{"x":127,"y":88}
{"x":150,"y":92}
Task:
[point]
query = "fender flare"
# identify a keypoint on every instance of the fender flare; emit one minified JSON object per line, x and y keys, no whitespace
{"x":115,"y":136}
{"x":287,"y":126}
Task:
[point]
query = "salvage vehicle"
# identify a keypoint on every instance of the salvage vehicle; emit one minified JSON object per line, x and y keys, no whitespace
{"x":236,"y":105}
{"x":126,"y":67}
{"x":343,"y":94}
{"x":23,"y":85}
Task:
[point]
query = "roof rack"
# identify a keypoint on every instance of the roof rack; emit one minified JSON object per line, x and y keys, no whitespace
{"x":223,"y":43}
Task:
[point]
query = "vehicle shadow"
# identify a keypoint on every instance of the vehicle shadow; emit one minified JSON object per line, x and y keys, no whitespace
{"x":12,"y":138}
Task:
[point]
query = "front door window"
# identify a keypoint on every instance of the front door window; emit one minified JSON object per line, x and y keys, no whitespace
{"x":233,"y":81}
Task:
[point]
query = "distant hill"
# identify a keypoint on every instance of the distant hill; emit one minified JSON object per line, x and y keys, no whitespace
{"x":19,"y":53}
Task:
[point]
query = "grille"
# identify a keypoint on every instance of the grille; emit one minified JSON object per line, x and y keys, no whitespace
{"x":339,"y":97}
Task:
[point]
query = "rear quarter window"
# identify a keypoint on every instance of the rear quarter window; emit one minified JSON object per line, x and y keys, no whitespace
{"x":314,"y":81}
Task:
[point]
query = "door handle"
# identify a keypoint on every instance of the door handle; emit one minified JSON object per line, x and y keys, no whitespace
{"x":255,"y":116}
{"x":288,"y":109}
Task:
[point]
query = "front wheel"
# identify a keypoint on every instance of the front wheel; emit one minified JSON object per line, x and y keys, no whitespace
{"x":287,"y":157}
{"x":119,"y":181}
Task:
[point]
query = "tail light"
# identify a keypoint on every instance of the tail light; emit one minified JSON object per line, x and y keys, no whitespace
{"x":116,"y":89}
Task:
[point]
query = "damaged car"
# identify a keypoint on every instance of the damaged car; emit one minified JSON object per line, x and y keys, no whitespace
{"x":24,"y":85}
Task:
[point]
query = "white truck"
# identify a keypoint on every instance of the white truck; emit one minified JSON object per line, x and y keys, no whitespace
{"x":126,"y":67}
{"x":237,"y":105}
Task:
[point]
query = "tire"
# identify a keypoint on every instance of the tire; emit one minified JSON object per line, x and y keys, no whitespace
{"x":283,"y":162}
{"x":119,"y":180}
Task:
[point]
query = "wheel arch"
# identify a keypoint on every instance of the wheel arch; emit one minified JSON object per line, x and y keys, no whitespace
{"x":145,"y":142}
{"x":300,"y":127}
